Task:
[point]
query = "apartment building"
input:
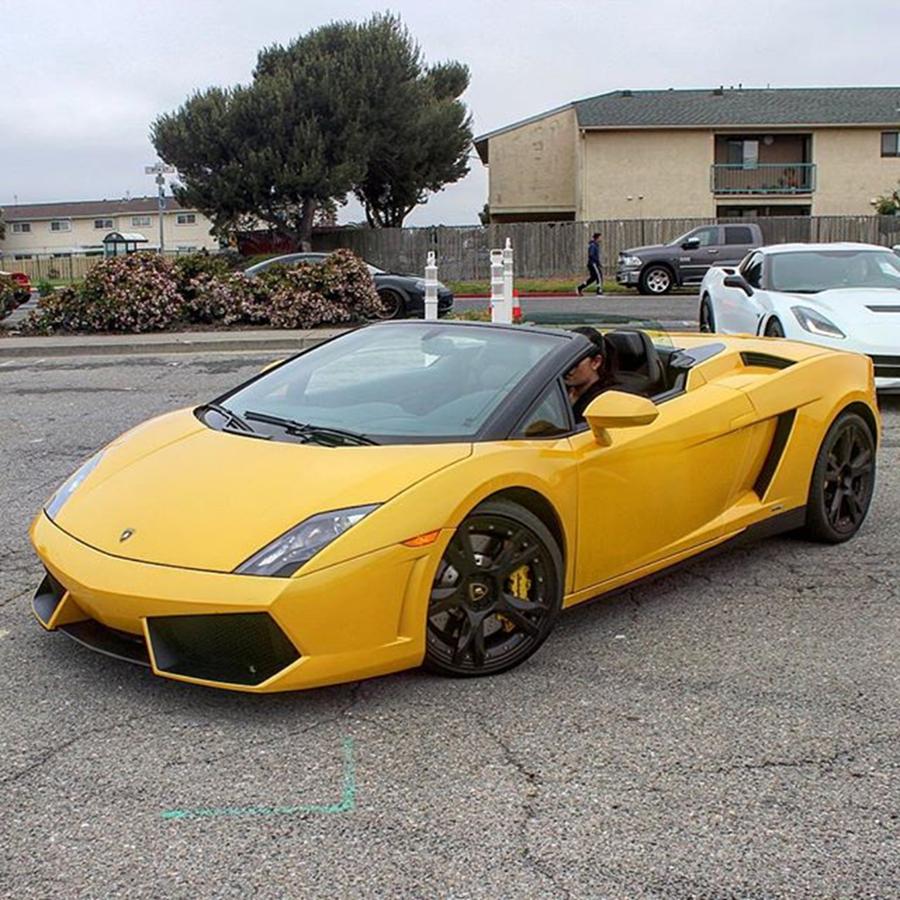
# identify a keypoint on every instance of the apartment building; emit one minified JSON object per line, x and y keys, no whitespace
{"x":78,"y":228}
{"x":697,"y":153}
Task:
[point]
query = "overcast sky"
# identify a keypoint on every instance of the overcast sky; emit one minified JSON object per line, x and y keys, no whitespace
{"x":83,"y":80}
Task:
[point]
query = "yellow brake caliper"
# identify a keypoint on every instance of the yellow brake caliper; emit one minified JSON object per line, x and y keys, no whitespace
{"x":519,"y":585}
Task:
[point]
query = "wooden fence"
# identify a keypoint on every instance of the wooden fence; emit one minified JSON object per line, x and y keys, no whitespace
{"x":542,"y":249}
{"x":547,"y":249}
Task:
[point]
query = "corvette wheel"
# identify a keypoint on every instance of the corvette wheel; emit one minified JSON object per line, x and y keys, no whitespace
{"x":774,"y":328}
{"x":497,"y":592}
{"x":656,"y":280}
{"x":842,"y":481}
{"x":392,"y":304}
{"x":707,"y":320}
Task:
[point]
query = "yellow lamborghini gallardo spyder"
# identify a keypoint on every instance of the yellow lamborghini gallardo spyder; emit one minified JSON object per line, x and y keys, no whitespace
{"x":421,"y":493}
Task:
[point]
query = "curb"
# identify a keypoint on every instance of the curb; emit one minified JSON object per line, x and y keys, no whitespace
{"x":199,"y":342}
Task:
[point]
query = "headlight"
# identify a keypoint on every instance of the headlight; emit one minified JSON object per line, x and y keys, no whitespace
{"x":816,"y":323}
{"x":420,"y":284}
{"x":631,"y":261}
{"x":69,"y":486}
{"x":286,"y":554}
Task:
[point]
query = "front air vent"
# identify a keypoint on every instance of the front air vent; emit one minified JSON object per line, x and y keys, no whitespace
{"x":231,"y":648}
{"x":765,"y":360}
{"x":887,"y":309}
{"x":887,"y":366}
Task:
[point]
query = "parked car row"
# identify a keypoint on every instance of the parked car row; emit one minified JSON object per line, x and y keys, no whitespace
{"x":402,"y":295}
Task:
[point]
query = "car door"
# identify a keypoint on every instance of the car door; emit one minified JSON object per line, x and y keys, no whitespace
{"x":735,"y":312}
{"x":695,"y":260}
{"x":659,"y":490}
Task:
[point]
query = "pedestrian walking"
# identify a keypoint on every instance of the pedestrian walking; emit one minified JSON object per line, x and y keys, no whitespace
{"x":594,"y":266}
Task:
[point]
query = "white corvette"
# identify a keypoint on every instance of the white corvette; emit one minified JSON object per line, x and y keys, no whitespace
{"x":843,"y":296}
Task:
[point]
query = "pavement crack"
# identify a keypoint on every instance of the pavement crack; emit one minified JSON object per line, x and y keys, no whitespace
{"x":61,"y":747}
{"x":532,"y":789}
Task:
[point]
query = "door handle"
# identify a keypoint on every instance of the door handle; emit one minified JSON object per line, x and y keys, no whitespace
{"x":713,"y":252}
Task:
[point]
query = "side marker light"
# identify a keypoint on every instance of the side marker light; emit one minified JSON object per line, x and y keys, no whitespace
{"x":422,"y":540}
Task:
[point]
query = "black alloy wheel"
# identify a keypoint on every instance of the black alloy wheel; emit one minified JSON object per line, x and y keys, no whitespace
{"x":392,"y":304}
{"x":707,"y":320}
{"x":842,"y":482}
{"x":656,"y":280}
{"x":497,"y":592}
{"x":774,"y":329}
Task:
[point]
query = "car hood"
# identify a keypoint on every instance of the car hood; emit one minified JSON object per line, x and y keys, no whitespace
{"x":650,"y":248}
{"x":869,"y":315}
{"x":204,"y":499}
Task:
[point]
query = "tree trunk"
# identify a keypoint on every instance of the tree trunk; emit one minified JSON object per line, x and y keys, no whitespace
{"x":306,"y":222}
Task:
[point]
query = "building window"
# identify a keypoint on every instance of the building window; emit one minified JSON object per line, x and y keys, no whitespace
{"x":60,"y":225}
{"x":21,"y":227}
{"x":890,"y":143}
{"x":743,"y":153}
{"x":105,"y":224}
{"x":185,"y":248}
{"x":22,"y":256}
{"x":185,"y":219}
{"x":140,"y":221}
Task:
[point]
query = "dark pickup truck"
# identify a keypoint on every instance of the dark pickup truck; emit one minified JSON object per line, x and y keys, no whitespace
{"x":657,"y":269}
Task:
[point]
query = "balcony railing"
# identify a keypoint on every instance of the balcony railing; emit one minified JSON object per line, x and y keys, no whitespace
{"x":763,"y":178}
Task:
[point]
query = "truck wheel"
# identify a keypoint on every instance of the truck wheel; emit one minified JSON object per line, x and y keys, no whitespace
{"x":656,"y":280}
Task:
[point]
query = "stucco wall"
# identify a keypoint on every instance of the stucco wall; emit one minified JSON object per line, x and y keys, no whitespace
{"x":84,"y":236}
{"x":850,"y":171}
{"x":669,"y":168}
{"x":532,"y":168}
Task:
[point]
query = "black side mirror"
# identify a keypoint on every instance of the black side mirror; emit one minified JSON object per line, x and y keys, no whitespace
{"x":738,"y":281}
{"x":690,"y":244}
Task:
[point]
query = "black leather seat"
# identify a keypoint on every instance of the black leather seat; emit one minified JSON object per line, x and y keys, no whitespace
{"x":635,"y":364}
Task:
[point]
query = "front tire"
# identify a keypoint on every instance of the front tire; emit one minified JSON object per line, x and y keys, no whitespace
{"x":656,"y":280}
{"x":774,"y":328}
{"x":843,"y":480}
{"x":496,"y":595}
{"x":707,"y":318}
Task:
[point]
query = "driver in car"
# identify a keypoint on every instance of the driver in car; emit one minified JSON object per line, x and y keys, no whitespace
{"x":590,"y":377}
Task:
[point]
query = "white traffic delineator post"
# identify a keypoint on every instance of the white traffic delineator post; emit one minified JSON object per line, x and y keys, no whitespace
{"x":508,"y":278}
{"x":499,"y":308}
{"x":431,"y":286}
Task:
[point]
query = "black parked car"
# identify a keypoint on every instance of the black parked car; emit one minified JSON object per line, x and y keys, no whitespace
{"x":403,"y":296}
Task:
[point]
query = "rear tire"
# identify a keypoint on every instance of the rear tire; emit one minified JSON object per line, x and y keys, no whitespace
{"x":656,"y":280}
{"x":842,"y":482}
{"x":774,"y":328}
{"x":496,"y":595}
{"x":707,"y":319}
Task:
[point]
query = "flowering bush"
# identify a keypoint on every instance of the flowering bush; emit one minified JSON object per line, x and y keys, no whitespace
{"x":8,"y":295}
{"x":144,"y":292}
{"x":129,"y":294}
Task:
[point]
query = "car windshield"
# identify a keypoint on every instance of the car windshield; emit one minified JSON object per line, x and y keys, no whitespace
{"x":391,"y":382}
{"x":812,"y":271}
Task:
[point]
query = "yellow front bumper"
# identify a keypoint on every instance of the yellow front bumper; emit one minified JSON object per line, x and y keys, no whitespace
{"x":359,"y":618}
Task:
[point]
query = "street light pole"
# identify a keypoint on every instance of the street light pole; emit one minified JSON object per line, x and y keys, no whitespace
{"x":160,"y":170}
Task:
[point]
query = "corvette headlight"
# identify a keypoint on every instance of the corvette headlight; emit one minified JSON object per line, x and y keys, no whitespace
{"x":70,"y":485}
{"x":420,"y":284}
{"x":631,"y":261}
{"x":286,"y":554}
{"x":815,"y":323}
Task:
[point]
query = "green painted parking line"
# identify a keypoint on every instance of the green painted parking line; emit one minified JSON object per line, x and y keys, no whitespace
{"x":346,"y":804}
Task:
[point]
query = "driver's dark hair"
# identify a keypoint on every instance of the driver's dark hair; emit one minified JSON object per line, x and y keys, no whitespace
{"x":602,"y":348}
{"x":595,"y":337}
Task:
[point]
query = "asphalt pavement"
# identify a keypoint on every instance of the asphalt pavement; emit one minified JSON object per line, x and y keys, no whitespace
{"x":731,"y":730}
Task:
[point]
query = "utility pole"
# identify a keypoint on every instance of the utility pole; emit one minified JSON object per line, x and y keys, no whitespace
{"x":160,"y":170}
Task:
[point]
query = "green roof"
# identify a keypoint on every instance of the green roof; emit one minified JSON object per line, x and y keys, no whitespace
{"x":741,"y":106}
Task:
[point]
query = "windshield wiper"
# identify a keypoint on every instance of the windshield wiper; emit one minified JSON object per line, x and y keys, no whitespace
{"x":235,"y":423}
{"x":311,"y":432}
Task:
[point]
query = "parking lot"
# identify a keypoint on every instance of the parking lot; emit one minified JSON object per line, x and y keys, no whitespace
{"x":730,"y":730}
